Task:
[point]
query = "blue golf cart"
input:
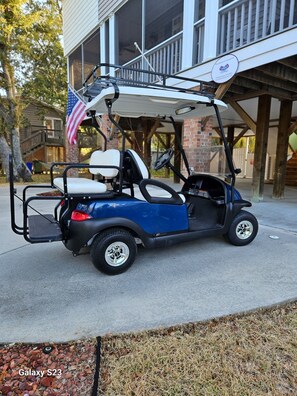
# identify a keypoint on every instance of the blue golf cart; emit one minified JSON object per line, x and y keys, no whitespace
{"x":120,"y":206}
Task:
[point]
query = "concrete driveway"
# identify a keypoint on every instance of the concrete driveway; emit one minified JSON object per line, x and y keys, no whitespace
{"x":46,"y":294}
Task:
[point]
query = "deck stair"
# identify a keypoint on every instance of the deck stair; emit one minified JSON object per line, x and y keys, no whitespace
{"x":41,"y":138}
{"x":291,"y":173}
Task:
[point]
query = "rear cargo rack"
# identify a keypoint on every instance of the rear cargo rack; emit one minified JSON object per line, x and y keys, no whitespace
{"x":118,"y":76}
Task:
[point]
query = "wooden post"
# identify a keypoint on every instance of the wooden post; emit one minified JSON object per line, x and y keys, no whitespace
{"x":223,"y":88}
{"x":168,"y":138}
{"x":282,"y":149}
{"x":244,"y":115}
{"x":261,"y":147}
{"x":147,"y":154}
{"x":138,"y":143}
{"x":177,"y":154}
{"x":230,"y":137}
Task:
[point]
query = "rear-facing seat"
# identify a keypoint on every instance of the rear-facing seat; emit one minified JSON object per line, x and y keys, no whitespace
{"x":77,"y":185}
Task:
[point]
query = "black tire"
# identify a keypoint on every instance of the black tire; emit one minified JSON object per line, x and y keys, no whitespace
{"x":243,"y":229}
{"x":113,"y":251}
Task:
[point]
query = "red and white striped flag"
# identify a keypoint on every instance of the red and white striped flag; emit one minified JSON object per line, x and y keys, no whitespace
{"x":75,"y":115}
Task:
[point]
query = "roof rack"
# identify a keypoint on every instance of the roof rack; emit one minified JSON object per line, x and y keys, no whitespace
{"x":129,"y":76}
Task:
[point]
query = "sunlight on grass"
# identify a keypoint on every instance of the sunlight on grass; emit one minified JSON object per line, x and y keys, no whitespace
{"x":253,"y":354}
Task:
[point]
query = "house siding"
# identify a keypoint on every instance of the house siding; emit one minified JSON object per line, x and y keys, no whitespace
{"x":33,"y":118}
{"x":33,"y":115}
{"x":108,"y":7}
{"x":80,"y":18}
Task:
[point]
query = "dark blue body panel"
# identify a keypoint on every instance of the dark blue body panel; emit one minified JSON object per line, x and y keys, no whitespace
{"x":237,"y":196}
{"x":152,"y":218}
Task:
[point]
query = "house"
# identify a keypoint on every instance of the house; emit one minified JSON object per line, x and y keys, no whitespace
{"x":190,"y":38}
{"x":42,"y":133}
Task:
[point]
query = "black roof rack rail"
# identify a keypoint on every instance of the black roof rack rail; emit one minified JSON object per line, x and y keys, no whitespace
{"x":129,"y":76}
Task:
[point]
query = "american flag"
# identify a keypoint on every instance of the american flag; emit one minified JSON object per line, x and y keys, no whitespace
{"x":75,"y":115}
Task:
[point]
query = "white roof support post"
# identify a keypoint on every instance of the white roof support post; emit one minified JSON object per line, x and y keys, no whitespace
{"x":188,"y":34}
{"x":112,"y":41}
{"x":103,"y":47}
{"x":211,"y":29}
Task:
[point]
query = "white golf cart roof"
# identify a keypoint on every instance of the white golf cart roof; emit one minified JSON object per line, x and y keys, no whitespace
{"x":137,"y":93}
{"x":153,"y":102}
{"x":131,"y":92}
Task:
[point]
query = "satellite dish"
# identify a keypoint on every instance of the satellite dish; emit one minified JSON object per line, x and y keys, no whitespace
{"x":224,"y":68}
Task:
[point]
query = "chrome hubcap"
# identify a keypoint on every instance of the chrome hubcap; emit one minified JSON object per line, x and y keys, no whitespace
{"x":117,"y":254}
{"x":244,"y":229}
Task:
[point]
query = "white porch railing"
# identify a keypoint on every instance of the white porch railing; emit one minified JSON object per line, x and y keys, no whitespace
{"x":165,"y":58}
{"x":246,"y":21}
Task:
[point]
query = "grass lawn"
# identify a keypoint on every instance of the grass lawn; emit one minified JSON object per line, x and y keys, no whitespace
{"x":36,"y":179}
{"x":45,"y":178}
{"x":253,"y":354}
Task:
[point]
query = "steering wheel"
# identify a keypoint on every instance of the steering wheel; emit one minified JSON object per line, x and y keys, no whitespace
{"x":164,"y":159}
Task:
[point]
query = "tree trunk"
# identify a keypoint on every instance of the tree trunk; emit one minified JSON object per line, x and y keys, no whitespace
{"x":5,"y":151}
{"x":21,"y":168}
{"x":12,"y":117}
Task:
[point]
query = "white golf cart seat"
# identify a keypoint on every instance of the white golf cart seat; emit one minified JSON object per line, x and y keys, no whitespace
{"x":141,"y":172}
{"x":78,"y":185}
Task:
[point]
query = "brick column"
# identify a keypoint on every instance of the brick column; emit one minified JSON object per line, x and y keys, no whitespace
{"x":197,"y":135}
{"x":72,"y":156}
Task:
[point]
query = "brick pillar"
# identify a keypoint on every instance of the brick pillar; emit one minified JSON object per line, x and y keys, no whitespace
{"x":106,"y":129}
{"x":196,"y":141}
{"x":72,"y":156}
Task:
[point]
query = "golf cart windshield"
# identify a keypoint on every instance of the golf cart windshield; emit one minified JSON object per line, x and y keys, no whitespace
{"x":213,"y":161}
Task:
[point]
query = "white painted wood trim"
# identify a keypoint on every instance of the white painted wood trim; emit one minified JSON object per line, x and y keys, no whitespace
{"x":211,"y":29}
{"x":268,"y":50}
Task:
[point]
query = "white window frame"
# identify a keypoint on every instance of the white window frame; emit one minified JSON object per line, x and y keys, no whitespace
{"x":51,"y":133}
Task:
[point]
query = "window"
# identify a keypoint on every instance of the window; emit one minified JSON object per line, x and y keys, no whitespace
{"x":75,"y":68}
{"x":55,"y":154}
{"x":163,"y":19}
{"x":83,"y":59}
{"x":53,"y":127}
{"x":91,"y":49}
{"x":222,"y":3}
{"x":199,"y":10}
{"x":128,"y":23}
{"x":107,"y":41}
{"x":199,"y":14}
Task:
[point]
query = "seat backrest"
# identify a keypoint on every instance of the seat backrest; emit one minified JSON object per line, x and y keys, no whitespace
{"x":135,"y":168}
{"x":108,"y":157}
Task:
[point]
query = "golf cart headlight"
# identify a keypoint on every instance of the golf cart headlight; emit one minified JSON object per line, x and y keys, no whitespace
{"x":184,"y":110}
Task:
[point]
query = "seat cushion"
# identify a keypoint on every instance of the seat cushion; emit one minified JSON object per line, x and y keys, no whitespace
{"x":141,"y":166}
{"x":77,"y":185}
{"x":108,"y":157}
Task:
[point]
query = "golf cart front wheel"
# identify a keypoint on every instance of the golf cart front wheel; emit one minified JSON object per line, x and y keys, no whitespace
{"x":243,"y":229}
{"x":113,"y":251}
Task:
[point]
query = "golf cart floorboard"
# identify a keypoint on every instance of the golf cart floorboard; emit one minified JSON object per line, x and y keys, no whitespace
{"x":198,"y":224}
{"x":44,"y":228}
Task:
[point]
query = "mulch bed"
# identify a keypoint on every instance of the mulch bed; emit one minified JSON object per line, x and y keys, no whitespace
{"x":35,"y":370}
{"x":54,"y":193}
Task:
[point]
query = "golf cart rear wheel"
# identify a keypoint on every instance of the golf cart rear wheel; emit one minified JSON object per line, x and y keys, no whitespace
{"x":243,"y":229}
{"x":113,"y":251}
